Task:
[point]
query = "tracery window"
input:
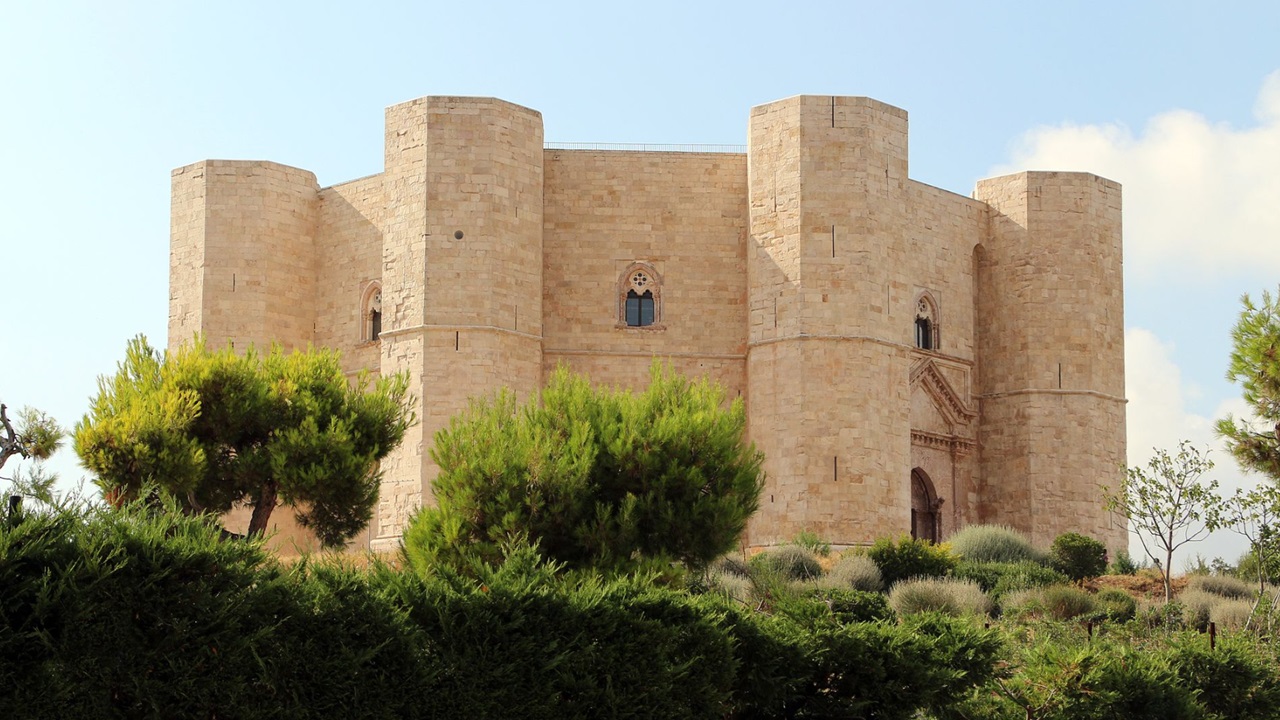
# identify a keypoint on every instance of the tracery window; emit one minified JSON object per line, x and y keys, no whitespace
{"x":371,"y":313}
{"x":926,"y":324}
{"x":640,"y":298}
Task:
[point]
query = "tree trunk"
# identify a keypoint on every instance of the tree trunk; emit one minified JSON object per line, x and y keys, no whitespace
{"x":1168,"y":577}
{"x":262,"y":509}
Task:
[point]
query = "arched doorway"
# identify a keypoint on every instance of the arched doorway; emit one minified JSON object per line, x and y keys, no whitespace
{"x":924,"y":507}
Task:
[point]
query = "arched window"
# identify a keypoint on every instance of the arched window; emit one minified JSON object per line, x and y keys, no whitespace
{"x":371,"y":313}
{"x":640,"y":297}
{"x":926,"y":324}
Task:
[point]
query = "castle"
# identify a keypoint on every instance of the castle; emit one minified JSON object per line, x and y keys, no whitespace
{"x":911,"y":360}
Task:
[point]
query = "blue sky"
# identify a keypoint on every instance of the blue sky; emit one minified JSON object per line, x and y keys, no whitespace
{"x":1178,"y":101}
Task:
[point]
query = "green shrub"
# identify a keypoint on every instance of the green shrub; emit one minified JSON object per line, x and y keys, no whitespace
{"x":1077,"y":556}
{"x":861,"y":670}
{"x":733,"y":586}
{"x":853,"y":571}
{"x":1232,"y":681}
{"x":1100,"y":681}
{"x":943,"y":595}
{"x":789,"y":562}
{"x":993,"y":544}
{"x":1231,"y":614}
{"x":810,"y":541}
{"x":1198,"y":605}
{"x":1222,"y":586}
{"x":730,"y":565}
{"x":1123,"y":564}
{"x":1001,"y":578}
{"x":910,"y":558}
{"x":1064,"y":602}
{"x":841,"y":606}
{"x":1118,"y":605}
{"x":1156,"y":614}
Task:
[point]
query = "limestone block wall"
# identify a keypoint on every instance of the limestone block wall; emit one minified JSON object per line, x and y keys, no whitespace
{"x":243,"y":258}
{"x":462,"y":270}
{"x":790,"y":275}
{"x":831,"y":289}
{"x":349,"y":262}
{"x":683,"y":215}
{"x":1051,"y":348}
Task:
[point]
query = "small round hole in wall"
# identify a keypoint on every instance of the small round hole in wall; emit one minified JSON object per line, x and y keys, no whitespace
{"x":457,"y":235}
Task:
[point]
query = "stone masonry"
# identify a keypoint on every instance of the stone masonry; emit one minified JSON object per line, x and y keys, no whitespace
{"x":912,"y":360}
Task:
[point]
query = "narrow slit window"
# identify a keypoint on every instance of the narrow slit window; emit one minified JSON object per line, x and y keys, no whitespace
{"x":372,"y":320}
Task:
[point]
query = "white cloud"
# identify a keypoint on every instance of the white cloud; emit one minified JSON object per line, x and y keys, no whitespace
{"x":1199,"y":196}
{"x":1157,"y":417}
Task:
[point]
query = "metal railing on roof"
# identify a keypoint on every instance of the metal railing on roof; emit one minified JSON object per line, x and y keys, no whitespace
{"x":646,"y":147}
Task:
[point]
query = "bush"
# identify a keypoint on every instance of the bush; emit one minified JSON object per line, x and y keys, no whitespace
{"x":1063,"y":602}
{"x":1222,"y":586}
{"x":610,"y":480}
{"x":730,"y":565}
{"x":1001,"y":578}
{"x":1077,"y":556}
{"x":789,"y":562}
{"x":861,"y":670}
{"x":810,"y":541}
{"x":1118,"y":605}
{"x":910,"y":558}
{"x":1198,"y":605}
{"x":993,"y":544}
{"x":1168,"y":616}
{"x":853,"y":571}
{"x":1102,"y":681}
{"x":1234,"y":681}
{"x":1123,"y":564}
{"x":842,"y":606}
{"x":1231,"y":614}
{"x":942,"y":595}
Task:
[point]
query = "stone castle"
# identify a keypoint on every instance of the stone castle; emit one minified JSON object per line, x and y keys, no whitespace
{"x":911,"y":360}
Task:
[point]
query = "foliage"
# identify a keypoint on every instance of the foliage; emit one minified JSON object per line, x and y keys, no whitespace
{"x":214,"y":429}
{"x":138,"y":613}
{"x":1123,"y":564}
{"x":789,"y":562}
{"x":810,"y":541}
{"x":1001,"y":578}
{"x":944,"y":595}
{"x":594,"y":478}
{"x":1253,"y":515}
{"x":35,"y":436}
{"x":1232,"y":681}
{"x":993,"y":544}
{"x":910,"y":558}
{"x":1222,"y":586}
{"x":853,"y":571}
{"x":1077,"y":556}
{"x":1116,"y":604}
{"x":1056,"y":602}
{"x":1101,"y":681}
{"x":1167,"y":505}
{"x":864,"y":670}
{"x":1255,"y":364}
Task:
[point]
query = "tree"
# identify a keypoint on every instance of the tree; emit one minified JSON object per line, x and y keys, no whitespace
{"x":595,"y":478}
{"x":1255,"y":364}
{"x":216,"y":429}
{"x":37,"y":436}
{"x":1167,"y":505}
{"x":1253,"y":515}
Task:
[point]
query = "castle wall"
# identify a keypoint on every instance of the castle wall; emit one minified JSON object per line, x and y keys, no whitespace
{"x":243,"y":253}
{"x":790,"y":275}
{"x":684,"y":214}
{"x":349,"y":260}
{"x":832,"y":299}
{"x":462,"y":270}
{"x":1051,"y":343}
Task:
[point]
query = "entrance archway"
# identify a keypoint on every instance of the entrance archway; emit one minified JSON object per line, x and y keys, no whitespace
{"x":924,"y":507}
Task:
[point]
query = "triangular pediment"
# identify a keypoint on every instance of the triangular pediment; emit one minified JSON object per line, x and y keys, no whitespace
{"x":928,"y":383}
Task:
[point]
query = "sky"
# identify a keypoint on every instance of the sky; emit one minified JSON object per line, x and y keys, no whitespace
{"x":1178,"y":101}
